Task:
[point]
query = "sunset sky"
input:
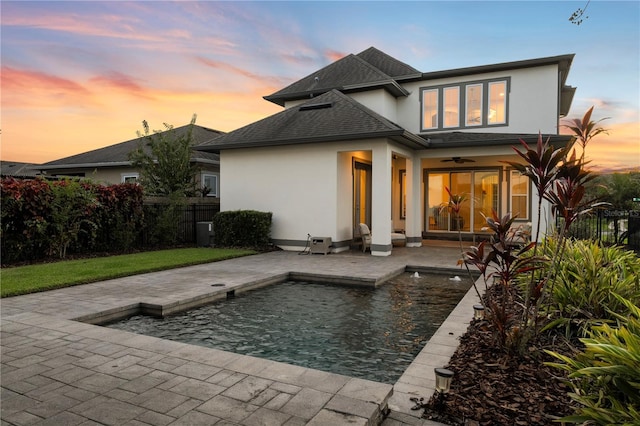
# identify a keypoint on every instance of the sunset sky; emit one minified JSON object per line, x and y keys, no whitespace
{"x":80,"y":75}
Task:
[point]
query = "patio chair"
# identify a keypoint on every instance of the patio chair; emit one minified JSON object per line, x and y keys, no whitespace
{"x":365,"y":234}
{"x":398,"y":238}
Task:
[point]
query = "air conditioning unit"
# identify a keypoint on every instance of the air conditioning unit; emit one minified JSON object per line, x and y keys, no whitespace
{"x":320,"y":245}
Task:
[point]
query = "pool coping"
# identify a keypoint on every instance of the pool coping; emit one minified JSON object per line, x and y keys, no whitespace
{"x":418,"y":380}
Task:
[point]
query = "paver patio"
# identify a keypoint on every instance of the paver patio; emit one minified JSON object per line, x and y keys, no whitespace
{"x":57,"y":370}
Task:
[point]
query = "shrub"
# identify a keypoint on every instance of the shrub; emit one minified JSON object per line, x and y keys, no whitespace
{"x":605,"y":377}
{"x":25,"y":218}
{"x":243,"y":228}
{"x":71,"y":214}
{"x":42,"y":218}
{"x":585,"y":279}
{"x":120,"y":216}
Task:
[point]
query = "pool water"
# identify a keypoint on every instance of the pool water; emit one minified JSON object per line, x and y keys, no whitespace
{"x":372,"y":334}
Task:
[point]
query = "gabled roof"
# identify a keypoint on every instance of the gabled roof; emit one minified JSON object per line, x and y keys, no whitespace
{"x":118,"y":154}
{"x":369,"y":69}
{"x":331,"y":116}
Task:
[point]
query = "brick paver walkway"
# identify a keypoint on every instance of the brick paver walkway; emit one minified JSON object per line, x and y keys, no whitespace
{"x":57,"y":370}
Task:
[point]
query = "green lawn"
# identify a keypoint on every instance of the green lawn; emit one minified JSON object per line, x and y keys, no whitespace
{"x":48,"y":276}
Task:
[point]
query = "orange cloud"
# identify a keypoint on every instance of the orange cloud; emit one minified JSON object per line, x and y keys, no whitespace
{"x":333,"y":55}
{"x":618,"y":149}
{"x":26,"y":88}
{"x":112,"y":117}
{"x":277,"y":81}
{"x":120,"y":81}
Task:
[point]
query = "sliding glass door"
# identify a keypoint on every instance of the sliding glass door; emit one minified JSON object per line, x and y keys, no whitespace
{"x":481,"y":192}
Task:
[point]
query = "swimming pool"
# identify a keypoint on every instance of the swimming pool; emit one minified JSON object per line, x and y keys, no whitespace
{"x":372,"y":334}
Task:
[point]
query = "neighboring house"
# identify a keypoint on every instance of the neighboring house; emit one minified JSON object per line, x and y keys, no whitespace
{"x":111,"y":164}
{"x":370,"y":139}
{"x":18,"y":170}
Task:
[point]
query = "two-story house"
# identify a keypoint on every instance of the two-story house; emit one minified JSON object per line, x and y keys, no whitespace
{"x":370,"y":139}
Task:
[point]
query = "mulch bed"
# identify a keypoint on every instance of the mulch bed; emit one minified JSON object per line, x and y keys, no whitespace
{"x":491,"y":387}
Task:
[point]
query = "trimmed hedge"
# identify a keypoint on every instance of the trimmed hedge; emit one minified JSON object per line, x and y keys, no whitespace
{"x":243,"y":228}
{"x":42,"y":218}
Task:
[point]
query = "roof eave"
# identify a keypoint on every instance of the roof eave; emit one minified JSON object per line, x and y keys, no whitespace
{"x":398,"y":135}
{"x":529,"y":139}
{"x":566,"y":99}
{"x":107,"y":164}
{"x":563,"y":62}
{"x":391,"y":86}
{"x":84,"y":165}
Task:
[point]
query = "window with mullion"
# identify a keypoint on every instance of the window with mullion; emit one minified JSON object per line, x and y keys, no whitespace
{"x":451,"y":116}
{"x":473,"y":106}
{"x":465,"y":105}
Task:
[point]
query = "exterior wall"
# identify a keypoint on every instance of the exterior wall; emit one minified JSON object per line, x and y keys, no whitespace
{"x":380,"y":101}
{"x":114,"y":175}
{"x":296,"y":183}
{"x":105,"y":175}
{"x":308,"y":188}
{"x":533,"y":101}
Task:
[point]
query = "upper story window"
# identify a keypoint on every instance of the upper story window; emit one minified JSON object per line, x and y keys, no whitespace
{"x":465,"y":105}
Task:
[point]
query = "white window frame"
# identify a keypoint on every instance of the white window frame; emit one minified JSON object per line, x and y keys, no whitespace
{"x":125,"y":176}
{"x":504,"y":102}
{"x":437,"y":110}
{"x":466,"y":105}
{"x":456,"y":90}
{"x":213,"y":191}
{"x":526,"y":214}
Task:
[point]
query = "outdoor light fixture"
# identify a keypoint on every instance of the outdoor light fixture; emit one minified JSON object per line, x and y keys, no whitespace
{"x":478,"y":312}
{"x":443,"y":380}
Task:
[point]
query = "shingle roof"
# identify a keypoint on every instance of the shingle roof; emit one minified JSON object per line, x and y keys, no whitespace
{"x":388,"y":64}
{"x":18,"y":169}
{"x":331,"y":116}
{"x":118,"y":154}
{"x":369,"y":69}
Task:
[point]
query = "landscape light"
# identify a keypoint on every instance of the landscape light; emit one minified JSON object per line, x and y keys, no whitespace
{"x":478,"y":312}
{"x":443,"y":379}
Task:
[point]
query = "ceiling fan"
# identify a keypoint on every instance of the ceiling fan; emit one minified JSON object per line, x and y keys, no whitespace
{"x":458,"y":160}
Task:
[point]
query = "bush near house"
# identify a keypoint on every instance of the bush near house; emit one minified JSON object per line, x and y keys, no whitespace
{"x":43,"y":218}
{"x":587,"y":282}
{"x":605,"y":376}
{"x":243,"y":228}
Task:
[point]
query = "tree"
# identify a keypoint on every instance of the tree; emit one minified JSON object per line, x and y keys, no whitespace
{"x":164,"y":160}
{"x":584,"y":130}
{"x":617,"y":189}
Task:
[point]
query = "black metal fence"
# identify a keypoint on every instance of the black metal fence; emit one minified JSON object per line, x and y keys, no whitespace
{"x":613,"y":226}
{"x":183,"y":223}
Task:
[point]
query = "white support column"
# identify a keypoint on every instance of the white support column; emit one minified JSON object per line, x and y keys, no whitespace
{"x":505,"y":192}
{"x":381,"y":201}
{"x":413,"y":220}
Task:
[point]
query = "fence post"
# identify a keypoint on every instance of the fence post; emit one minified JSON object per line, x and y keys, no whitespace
{"x":193,"y":222}
{"x":599,"y":225}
